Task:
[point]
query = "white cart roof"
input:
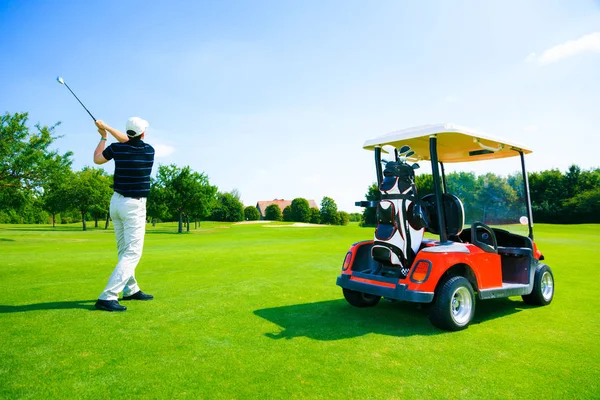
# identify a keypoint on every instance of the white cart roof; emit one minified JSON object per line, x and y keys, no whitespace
{"x":454,"y":143}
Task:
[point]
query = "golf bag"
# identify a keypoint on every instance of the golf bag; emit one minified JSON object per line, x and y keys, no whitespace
{"x":400,"y":223}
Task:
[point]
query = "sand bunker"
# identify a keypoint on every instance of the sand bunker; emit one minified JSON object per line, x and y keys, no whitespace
{"x":253,"y":222}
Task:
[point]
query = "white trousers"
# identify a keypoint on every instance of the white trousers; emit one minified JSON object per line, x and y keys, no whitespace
{"x":129,"y":219}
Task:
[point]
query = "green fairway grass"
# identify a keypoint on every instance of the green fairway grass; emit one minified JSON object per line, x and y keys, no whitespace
{"x":252,"y":311}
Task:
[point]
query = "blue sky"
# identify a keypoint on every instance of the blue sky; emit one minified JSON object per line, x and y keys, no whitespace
{"x":275,"y":98}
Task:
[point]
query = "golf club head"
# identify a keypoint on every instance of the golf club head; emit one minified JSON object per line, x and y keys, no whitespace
{"x":60,"y":80}
{"x":403,"y":149}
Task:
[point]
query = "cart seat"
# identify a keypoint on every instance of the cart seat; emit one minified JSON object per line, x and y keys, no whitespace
{"x":453,"y":209}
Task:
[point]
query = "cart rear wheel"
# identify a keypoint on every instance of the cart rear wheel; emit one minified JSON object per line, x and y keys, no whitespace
{"x":454,"y":307}
{"x":360,"y":299}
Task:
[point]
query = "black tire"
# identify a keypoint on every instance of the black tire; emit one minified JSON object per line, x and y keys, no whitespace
{"x":360,"y":299}
{"x":454,"y":306}
{"x":543,"y":287}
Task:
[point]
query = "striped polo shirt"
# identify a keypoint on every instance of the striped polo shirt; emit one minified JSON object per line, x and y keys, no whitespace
{"x":133,"y":165}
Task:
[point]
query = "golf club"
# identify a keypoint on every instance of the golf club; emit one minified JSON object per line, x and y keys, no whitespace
{"x":62,"y":82}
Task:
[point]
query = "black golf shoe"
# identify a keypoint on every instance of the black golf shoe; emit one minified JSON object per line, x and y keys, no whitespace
{"x":109,"y":305}
{"x":139,"y":296}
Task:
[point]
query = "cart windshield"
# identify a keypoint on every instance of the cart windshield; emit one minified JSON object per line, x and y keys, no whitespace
{"x":489,"y":198}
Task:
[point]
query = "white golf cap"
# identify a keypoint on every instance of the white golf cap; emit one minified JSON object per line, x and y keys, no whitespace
{"x":135,"y":126}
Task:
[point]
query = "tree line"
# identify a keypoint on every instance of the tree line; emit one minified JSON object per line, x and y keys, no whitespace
{"x":572,"y":197}
{"x":300,"y":211}
{"x":37,"y":184}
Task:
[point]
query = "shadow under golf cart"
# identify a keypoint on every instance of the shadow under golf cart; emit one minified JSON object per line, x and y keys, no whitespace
{"x":335,"y":319}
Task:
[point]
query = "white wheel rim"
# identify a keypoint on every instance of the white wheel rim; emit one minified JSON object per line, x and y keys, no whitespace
{"x":547,"y":286}
{"x":461,"y":306}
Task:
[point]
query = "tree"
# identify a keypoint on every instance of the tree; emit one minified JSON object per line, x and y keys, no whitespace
{"x":228,"y":208}
{"x":585,"y":206}
{"x":251,"y":213}
{"x":287,"y":214}
{"x":169,"y":184}
{"x":424,"y":184}
{"x":465,"y":186}
{"x":183,"y":193}
{"x":55,"y":198}
{"x":156,"y":207}
{"x":315,"y":216}
{"x":26,"y":161}
{"x":547,"y":196}
{"x":343,"y":218}
{"x":583,"y":196}
{"x":588,"y":180}
{"x":202,"y":197}
{"x":329,"y":213}
{"x":33,"y":212}
{"x":102,"y":208}
{"x":300,"y":210}
{"x":28,"y":212}
{"x":355,"y":217}
{"x":571,"y":180}
{"x":273,"y":213}
{"x":87,"y":190}
{"x":370,"y":213}
{"x":515,"y":181}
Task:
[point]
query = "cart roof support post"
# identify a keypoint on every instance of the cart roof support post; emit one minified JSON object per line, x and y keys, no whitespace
{"x":378,"y":166}
{"x":435,"y":172}
{"x":527,"y":196}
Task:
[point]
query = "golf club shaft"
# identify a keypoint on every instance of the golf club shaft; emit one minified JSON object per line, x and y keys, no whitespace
{"x":88,"y":111}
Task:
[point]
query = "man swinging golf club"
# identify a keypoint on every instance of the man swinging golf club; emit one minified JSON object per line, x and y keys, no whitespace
{"x":133,"y":165}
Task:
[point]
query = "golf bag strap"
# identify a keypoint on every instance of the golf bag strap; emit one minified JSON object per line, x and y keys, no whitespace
{"x":415,"y":198}
{"x":399,"y":197}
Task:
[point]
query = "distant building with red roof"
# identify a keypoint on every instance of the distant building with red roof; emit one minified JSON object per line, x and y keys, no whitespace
{"x":262,"y":205}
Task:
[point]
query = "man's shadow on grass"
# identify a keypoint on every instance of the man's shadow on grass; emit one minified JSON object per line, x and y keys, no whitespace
{"x":336,"y":319}
{"x":53,"y":305}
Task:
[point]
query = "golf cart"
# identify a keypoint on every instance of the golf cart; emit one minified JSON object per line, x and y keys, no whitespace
{"x":457,"y":264}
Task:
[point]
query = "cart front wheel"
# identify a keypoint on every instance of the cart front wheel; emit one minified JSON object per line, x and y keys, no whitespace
{"x":543,"y":287}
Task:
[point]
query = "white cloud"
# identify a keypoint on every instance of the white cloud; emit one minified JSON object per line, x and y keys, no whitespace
{"x":586,"y":44}
{"x":162,"y":150}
